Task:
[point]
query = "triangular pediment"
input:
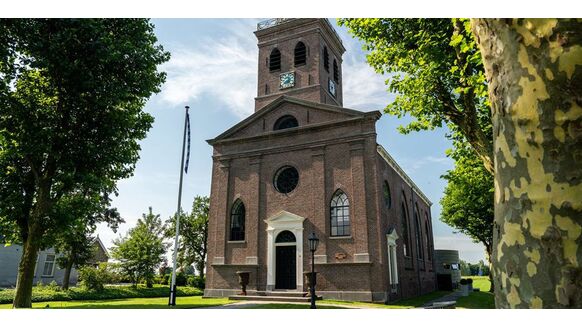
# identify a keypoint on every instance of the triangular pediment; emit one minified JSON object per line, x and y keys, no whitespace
{"x":284,"y":216}
{"x":311,"y":113}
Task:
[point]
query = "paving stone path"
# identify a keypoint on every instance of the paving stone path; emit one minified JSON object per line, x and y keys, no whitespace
{"x":447,"y":298}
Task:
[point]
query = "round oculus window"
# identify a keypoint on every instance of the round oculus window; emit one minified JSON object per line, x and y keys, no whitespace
{"x":286,"y":179}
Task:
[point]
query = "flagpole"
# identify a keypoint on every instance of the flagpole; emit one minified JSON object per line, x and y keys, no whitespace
{"x":172,"y":300}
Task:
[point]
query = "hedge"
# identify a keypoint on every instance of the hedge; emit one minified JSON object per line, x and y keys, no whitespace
{"x":46,"y":294}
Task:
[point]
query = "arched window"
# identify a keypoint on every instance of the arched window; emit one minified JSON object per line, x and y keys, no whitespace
{"x":428,"y":241}
{"x":237,"y":221}
{"x":404,"y":222}
{"x":285,"y":122}
{"x":325,"y":59}
{"x":300,"y":54}
{"x":418,"y":234}
{"x":335,"y":71}
{"x":285,"y":237}
{"x":387,"y":196}
{"x":340,"y":214}
{"x":275,"y":60}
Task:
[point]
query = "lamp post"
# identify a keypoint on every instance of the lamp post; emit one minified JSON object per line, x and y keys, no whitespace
{"x":313,"y":242}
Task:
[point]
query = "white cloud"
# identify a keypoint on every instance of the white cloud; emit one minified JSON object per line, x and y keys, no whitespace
{"x":224,"y":69}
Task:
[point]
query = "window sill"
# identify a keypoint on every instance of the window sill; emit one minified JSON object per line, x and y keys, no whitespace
{"x":340,"y":237}
{"x":237,"y":242}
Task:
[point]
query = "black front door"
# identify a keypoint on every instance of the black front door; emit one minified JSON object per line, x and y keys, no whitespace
{"x":286,"y":268}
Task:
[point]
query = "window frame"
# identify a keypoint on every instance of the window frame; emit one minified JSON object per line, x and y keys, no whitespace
{"x":386,"y":192}
{"x":295,"y":55}
{"x":46,"y":261}
{"x":277,"y":175}
{"x":405,"y":229}
{"x":325,"y":59}
{"x":235,"y":210}
{"x":285,"y":118}
{"x":271,"y":69}
{"x":334,"y":215}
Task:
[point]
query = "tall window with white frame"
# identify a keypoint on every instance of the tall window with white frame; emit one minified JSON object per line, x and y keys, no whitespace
{"x":49,"y":266}
{"x":237,"y":221}
{"x":340,"y":214}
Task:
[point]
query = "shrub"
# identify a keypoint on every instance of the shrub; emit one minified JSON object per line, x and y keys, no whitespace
{"x":53,"y":286}
{"x":196,"y":281}
{"x":181,"y":279}
{"x":167,"y":278}
{"x":90,"y":278}
{"x":109,"y":292}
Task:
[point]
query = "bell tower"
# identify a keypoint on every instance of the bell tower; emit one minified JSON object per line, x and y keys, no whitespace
{"x":299,"y":57}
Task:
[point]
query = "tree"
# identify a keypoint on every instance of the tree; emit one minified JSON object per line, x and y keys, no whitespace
{"x":534,"y":72}
{"x":467,"y":203}
{"x":77,"y":249}
{"x":435,"y":69}
{"x":71,"y":99}
{"x":193,"y":235}
{"x":142,"y":250}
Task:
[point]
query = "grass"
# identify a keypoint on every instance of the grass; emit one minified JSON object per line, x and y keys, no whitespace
{"x":291,"y":306}
{"x":401,"y":304}
{"x":482,"y":299}
{"x":188,"y":302}
{"x":48,"y":294}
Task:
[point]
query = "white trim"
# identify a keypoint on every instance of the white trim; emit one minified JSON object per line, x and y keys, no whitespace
{"x":392,"y":260}
{"x":277,"y":223}
{"x":53,"y":262}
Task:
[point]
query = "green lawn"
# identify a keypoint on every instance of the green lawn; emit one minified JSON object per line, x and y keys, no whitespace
{"x":402,"y":304}
{"x":482,"y":299}
{"x":291,"y":306}
{"x":132,"y":303}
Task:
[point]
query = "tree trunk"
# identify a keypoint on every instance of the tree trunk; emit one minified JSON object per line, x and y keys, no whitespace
{"x":25,"y":279}
{"x":67,"y":275}
{"x":489,"y":259}
{"x":534,"y":71}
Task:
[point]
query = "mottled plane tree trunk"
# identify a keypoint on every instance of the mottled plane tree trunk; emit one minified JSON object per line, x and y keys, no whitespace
{"x":534,"y":70}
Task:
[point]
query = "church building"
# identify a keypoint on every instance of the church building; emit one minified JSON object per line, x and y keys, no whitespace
{"x":303,"y":163}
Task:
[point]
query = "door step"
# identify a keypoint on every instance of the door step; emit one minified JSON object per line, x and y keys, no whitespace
{"x":274,"y":297}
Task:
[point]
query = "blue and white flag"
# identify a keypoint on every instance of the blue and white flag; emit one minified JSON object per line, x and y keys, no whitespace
{"x":188,"y":129}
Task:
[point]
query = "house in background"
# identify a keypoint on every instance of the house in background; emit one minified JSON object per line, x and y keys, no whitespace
{"x":46,"y":269}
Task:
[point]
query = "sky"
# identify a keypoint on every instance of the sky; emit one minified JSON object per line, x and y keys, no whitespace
{"x":213,"y":69}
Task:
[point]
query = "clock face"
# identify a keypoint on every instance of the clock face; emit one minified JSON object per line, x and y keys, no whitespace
{"x":332,"y":87}
{"x":286,"y":80}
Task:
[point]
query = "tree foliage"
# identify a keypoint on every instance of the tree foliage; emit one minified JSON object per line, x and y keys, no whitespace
{"x":435,"y":70}
{"x":193,"y":234}
{"x":71,"y":99}
{"x":467,"y":203}
{"x":142,"y":250}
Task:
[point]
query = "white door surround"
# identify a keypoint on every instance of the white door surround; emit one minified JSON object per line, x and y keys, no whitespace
{"x":277,"y":223}
{"x":391,"y":238}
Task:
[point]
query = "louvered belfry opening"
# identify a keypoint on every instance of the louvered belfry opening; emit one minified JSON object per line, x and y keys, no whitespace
{"x":275,"y":60}
{"x":300,"y":54}
{"x":335,"y":71}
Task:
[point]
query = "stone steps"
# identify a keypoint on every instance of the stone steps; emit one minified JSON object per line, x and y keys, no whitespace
{"x":274,"y":297}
